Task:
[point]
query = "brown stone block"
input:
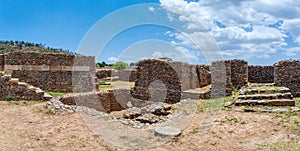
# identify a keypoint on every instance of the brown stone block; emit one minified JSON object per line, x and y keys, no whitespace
{"x":55,"y":68}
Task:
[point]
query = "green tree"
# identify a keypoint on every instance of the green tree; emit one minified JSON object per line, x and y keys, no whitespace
{"x":119,"y":65}
{"x":102,"y":64}
{"x":165,"y":58}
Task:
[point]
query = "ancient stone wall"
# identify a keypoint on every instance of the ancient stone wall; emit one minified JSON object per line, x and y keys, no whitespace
{"x":168,"y":73}
{"x":227,"y":74}
{"x":1,"y":62}
{"x":261,"y":74}
{"x":221,"y":78}
{"x":239,"y":73}
{"x":17,"y":91}
{"x":52,"y":72}
{"x":287,"y":73}
{"x":106,"y":101}
{"x":204,"y":76}
{"x":127,"y":75}
{"x":101,"y":74}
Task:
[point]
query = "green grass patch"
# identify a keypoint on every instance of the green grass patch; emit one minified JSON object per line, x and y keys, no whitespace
{"x":212,"y":104}
{"x":105,"y":87}
{"x":54,"y":94}
{"x":281,"y":146}
{"x":14,"y":102}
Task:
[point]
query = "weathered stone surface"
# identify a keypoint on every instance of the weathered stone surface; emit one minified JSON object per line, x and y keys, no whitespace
{"x":104,"y":101}
{"x":132,"y":113}
{"x":265,"y":94}
{"x":52,"y":72}
{"x":261,"y":74}
{"x":12,"y":89}
{"x":167,"y":131}
{"x":204,"y":75}
{"x":167,"y":107}
{"x":102,"y":73}
{"x":287,"y":74}
{"x":14,"y":81}
{"x":1,"y":62}
{"x":127,"y":75}
{"x":151,"y":70}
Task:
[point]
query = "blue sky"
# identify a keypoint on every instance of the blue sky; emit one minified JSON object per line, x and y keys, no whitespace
{"x":259,"y":31}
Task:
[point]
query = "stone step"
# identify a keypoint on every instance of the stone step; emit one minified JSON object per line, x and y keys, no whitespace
{"x":7,"y":76}
{"x":261,"y":84}
{"x":39,"y":91}
{"x":14,"y":81}
{"x":32,"y":88}
{"x":258,"y":90}
{"x":23,"y":83}
{"x":47,"y":96}
{"x":274,"y":102}
{"x":266,"y":96}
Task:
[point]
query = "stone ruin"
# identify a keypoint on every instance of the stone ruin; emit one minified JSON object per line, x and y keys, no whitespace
{"x":287,"y":73}
{"x":157,"y":84}
{"x":55,"y":72}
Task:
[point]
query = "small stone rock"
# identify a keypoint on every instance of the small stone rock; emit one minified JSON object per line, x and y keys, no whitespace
{"x":129,"y":104}
{"x":295,"y":109}
{"x":167,"y":131}
{"x":280,"y":110}
{"x":167,"y":107}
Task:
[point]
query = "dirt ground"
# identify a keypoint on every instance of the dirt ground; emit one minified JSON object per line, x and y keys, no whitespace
{"x":29,"y":126}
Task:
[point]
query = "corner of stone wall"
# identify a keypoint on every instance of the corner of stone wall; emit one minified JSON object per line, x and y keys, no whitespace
{"x":286,"y":73}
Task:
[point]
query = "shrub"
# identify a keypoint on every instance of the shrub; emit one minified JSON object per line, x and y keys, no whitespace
{"x":119,"y":65}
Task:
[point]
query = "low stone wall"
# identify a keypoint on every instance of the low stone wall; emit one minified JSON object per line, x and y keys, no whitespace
{"x":101,"y":74}
{"x":204,"y":75}
{"x":287,"y":73}
{"x":53,"y":72}
{"x":127,"y":75}
{"x":16,"y":92}
{"x":106,"y":101}
{"x":1,"y":62}
{"x":261,"y":74}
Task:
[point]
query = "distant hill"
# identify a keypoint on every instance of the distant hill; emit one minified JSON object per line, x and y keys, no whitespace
{"x":10,"y":46}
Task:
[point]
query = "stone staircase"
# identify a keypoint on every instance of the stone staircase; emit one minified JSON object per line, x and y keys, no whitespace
{"x":265,"y":94}
{"x":14,"y":82}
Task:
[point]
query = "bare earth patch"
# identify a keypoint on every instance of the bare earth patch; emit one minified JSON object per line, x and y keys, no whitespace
{"x":28,"y":126}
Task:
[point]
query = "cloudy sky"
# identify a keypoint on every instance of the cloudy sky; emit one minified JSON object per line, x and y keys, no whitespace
{"x":259,"y":31}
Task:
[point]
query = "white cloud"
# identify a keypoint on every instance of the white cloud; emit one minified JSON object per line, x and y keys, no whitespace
{"x":151,"y":9}
{"x":247,"y":32}
{"x":298,"y":39}
{"x":292,"y":51}
{"x":112,"y":59}
{"x":157,"y":55}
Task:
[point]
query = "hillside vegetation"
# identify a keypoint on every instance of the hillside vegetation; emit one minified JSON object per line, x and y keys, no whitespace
{"x":10,"y":46}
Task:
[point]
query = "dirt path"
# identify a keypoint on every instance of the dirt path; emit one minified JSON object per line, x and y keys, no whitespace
{"x":30,"y":127}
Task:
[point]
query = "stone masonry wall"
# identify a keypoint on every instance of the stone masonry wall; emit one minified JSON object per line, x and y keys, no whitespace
{"x":227,"y":74}
{"x":204,"y":75}
{"x":261,"y":74}
{"x":53,"y":72}
{"x":1,"y":62}
{"x":221,"y":78}
{"x":103,"y":73}
{"x":287,"y":73}
{"x":16,"y":92}
{"x":106,"y":101}
{"x":151,"y":70}
{"x":127,"y":75}
{"x":239,"y":73}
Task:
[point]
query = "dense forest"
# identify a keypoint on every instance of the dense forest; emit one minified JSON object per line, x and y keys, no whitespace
{"x":9,"y":46}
